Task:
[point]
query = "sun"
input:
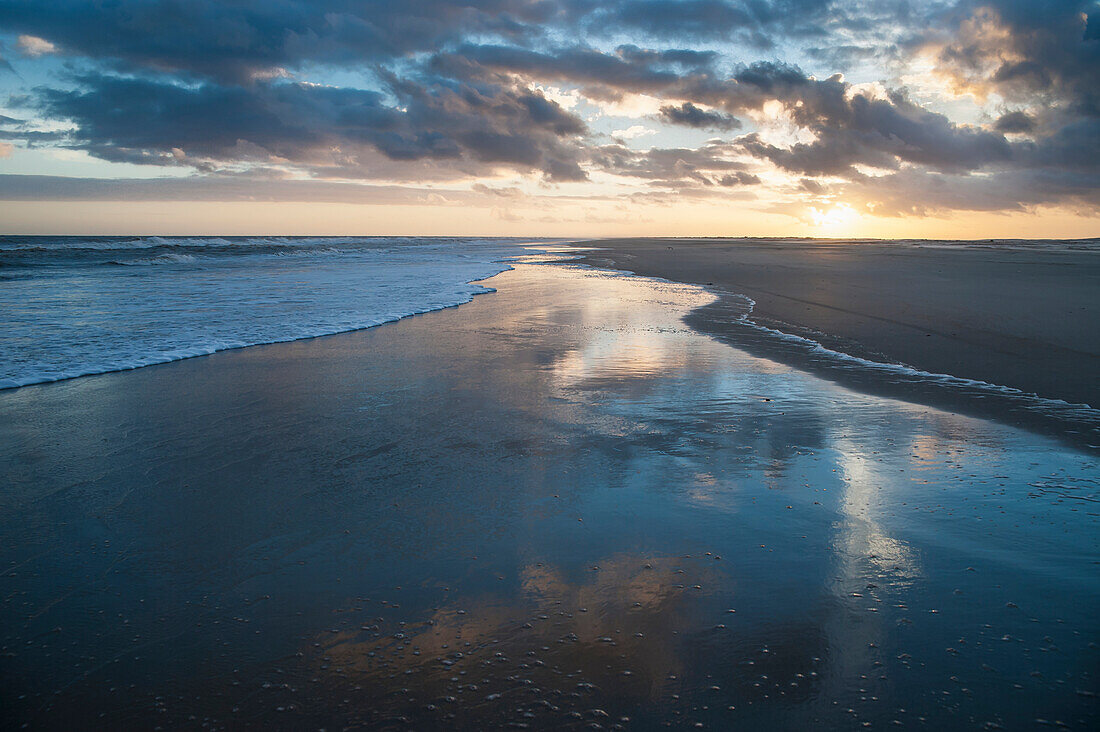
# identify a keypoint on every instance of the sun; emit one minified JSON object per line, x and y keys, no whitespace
{"x":837,"y":219}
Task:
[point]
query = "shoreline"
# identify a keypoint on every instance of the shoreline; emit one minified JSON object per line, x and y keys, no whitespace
{"x":736,"y":319}
{"x":259,"y":292}
{"x":895,"y":306}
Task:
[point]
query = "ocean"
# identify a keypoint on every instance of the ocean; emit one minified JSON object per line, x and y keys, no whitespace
{"x":73,"y":306}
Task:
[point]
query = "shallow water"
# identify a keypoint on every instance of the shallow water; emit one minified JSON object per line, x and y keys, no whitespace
{"x":553,"y":506}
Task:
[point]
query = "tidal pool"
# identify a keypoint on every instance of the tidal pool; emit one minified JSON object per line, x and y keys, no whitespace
{"x":553,"y":507}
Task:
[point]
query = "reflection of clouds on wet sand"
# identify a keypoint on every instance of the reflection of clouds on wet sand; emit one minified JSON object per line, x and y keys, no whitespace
{"x":629,"y":338}
{"x":705,"y":489}
{"x":549,"y":647}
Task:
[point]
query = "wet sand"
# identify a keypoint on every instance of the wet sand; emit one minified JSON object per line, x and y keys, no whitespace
{"x":557,"y":505}
{"x":1021,"y":316}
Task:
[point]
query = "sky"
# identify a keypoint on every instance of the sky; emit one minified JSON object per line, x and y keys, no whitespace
{"x":957,"y":119}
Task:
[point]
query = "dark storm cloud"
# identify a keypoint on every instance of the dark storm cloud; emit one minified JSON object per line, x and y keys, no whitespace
{"x":1026,"y":49}
{"x":752,"y":20}
{"x":689,"y":115}
{"x":750,"y":87}
{"x":1014,"y":122}
{"x":882,"y":133}
{"x":141,"y":120}
{"x":236,"y":39}
{"x":625,"y":71}
{"x":1072,"y":147}
{"x":682,"y":57}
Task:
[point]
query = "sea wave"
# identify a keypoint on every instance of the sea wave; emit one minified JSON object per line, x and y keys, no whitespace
{"x":64,"y":318}
{"x":243,"y":243}
{"x":106,"y":244}
{"x":192,"y":350}
{"x":166,"y":258}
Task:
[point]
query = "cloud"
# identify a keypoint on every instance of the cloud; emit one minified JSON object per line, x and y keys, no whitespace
{"x":883,"y":133}
{"x":500,"y":191}
{"x":1074,"y":146}
{"x":916,"y":193}
{"x":634,"y":131}
{"x":694,"y":18}
{"x":739,"y":178}
{"x":35,"y":46}
{"x":706,"y":166}
{"x":1024,"y":53}
{"x":751,"y":20}
{"x":209,"y":188}
{"x":1014,"y":122}
{"x":689,"y":115}
{"x":318,"y":127}
{"x":625,"y":70}
{"x":6,"y":149}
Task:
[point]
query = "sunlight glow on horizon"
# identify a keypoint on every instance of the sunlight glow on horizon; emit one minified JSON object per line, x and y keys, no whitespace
{"x":336,"y":219}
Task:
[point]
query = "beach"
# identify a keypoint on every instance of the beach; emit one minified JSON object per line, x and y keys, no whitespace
{"x":556,"y":505}
{"x":627,"y":365}
{"x":1020,"y":314}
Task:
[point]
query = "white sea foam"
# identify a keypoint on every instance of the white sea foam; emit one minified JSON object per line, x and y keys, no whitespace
{"x":809,"y":345}
{"x":166,"y":258}
{"x":65,"y":315}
